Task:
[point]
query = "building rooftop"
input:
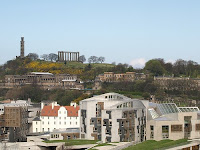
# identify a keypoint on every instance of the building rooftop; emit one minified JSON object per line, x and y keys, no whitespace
{"x":48,"y":111}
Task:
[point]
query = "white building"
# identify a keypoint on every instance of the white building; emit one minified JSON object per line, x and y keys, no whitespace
{"x":54,"y":116}
{"x":112,"y":117}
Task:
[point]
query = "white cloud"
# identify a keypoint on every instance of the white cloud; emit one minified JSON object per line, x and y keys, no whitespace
{"x":138,"y":63}
{"x":170,"y":61}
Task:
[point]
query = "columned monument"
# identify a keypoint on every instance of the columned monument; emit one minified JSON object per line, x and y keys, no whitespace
{"x":68,"y":56}
{"x":22,"y":47}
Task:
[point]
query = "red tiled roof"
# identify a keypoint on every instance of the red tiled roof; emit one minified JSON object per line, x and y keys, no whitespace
{"x":48,"y":111}
{"x":72,"y":111}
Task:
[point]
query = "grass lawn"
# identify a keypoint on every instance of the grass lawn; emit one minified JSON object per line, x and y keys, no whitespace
{"x":152,"y":145}
{"x":73,"y":142}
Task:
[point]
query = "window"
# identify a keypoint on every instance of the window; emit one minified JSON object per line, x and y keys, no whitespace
{"x":42,"y":129}
{"x":36,"y":130}
{"x":54,"y":122}
{"x":48,"y":122}
{"x":36,"y":122}
{"x":165,"y":132}
{"x":176,"y":128}
{"x":151,"y":127}
{"x":48,"y":129}
{"x":70,"y":123}
{"x":76,"y":123}
{"x":59,"y":117}
{"x":42,"y":122}
{"x":65,"y":118}
{"x":60,"y":122}
{"x":65,"y":123}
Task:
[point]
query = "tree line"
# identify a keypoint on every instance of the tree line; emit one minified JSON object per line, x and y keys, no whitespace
{"x":180,"y":68}
{"x":54,"y":57}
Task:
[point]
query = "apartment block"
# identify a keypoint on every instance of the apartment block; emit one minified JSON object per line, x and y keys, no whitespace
{"x":113,"y":117}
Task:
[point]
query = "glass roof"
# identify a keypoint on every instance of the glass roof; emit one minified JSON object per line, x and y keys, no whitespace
{"x":153,"y":113}
{"x":188,"y":109}
{"x":167,"y":108}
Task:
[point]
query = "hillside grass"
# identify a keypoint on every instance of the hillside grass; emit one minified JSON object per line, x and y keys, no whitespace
{"x":156,"y":145}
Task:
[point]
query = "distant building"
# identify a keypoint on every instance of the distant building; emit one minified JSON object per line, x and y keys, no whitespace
{"x":54,"y":116}
{"x":119,"y":77}
{"x":177,"y":83}
{"x":113,"y":117}
{"x":44,"y":80}
{"x":68,"y":56}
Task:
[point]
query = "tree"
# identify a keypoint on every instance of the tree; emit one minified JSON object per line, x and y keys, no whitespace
{"x":45,"y":56}
{"x":154,"y":67}
{"x":53,"y":57}
{"x":93,"y":59}
{"x":82,"y":58}
{"x":101,"y":59}
{"x":33,"y":56}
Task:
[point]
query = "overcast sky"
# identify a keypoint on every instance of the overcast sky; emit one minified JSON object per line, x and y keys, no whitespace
{"x":126,"y":31}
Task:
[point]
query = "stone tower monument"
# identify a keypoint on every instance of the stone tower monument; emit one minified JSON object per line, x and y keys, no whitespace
{"x":22,"y":47}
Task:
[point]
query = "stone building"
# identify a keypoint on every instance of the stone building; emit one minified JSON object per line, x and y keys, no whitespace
{"x":118,"y":77}
{"x":45,"y":80}
{"x":177,"y":83}
{"x":68,"y":56}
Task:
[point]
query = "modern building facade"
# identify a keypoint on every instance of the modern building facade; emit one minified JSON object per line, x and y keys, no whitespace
{"x":113,"y":117}
{"x":14,"y":121}
{"x":167,"y":121}
{"x":45,"y":80}
{"x":54,"y":116}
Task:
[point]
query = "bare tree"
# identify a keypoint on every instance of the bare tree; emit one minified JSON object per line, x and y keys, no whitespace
{"x":33,"y":56}
{"x":82,"y":58}
{"x":53,"y":57}
{"x":93,"y":59}
{"x":101,"y":59}
{"x":44,"y":56}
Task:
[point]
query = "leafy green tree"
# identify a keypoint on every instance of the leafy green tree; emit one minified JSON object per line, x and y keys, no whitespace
{"x":154,"y":67}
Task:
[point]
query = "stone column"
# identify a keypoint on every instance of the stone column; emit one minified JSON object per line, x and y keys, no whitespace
{"x":70,"y":56}
{"x":65,"y":56}
{"x":62,"y":56}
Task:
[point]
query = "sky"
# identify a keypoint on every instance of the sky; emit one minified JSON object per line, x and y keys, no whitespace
{"x":123,"y":31}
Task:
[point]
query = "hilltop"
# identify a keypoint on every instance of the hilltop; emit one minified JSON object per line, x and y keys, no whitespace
{"x":20,"y":66}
